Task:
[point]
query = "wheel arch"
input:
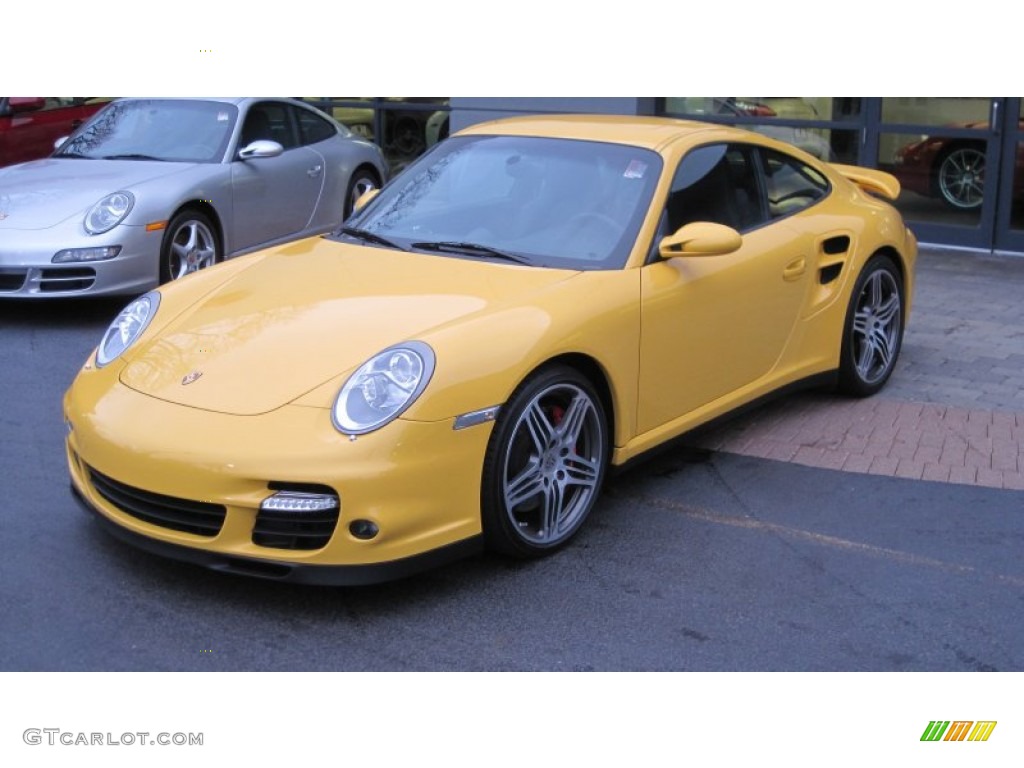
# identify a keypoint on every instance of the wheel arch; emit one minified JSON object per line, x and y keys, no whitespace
{"x":205,"y":207}
{"x":595,"y":373}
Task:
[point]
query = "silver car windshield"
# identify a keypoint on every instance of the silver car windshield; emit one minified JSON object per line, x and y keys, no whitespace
{"x":542,"y":201}
{"x":191,"y":131}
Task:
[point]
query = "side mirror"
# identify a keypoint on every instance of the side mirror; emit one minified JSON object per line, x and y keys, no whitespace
{"x":702,"y":238}
{"x":59,"y":142}
{"x":260,"y":148}
{"x":20,"y":104}
{"x":364,"y":198}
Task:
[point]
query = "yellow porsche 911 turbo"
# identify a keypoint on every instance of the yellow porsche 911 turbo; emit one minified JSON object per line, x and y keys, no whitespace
{"x":535,"y":300}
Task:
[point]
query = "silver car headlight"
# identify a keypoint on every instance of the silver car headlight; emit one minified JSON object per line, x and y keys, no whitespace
{"x":383,"y":387}
{"x":126,"y":328}
{"x":108,"y":212}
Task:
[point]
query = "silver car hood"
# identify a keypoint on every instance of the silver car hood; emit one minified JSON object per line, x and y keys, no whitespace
{"x":43,"y":193}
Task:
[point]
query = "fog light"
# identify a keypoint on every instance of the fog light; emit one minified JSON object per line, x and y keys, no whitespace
{"x":295,"y":501}
{"x":363,"y":529}
{"x":69,"y":255}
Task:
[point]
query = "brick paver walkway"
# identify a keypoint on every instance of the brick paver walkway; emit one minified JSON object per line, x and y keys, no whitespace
{"x":954,"y":408}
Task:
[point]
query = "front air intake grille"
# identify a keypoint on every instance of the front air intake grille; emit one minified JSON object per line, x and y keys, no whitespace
{"x":12,"y":279}
{"x":294,"y":530}
{"x":198,"y":517}
{"x":73,"y":279}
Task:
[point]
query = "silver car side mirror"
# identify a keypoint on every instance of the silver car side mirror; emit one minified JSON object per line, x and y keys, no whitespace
{"x":260,"y":148}
{"x":59,"y":142}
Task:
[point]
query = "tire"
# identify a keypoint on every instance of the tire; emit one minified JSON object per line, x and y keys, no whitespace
{"x":960,"y":176}
{"x":545,"y":464}
{"x":190,"y":243}
{"x":873,"y":331}
{"x":362,"y":181}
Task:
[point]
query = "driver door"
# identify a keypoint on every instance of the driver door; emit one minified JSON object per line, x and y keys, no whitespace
{"x":712,"y":325}
{"x":274,"y":197}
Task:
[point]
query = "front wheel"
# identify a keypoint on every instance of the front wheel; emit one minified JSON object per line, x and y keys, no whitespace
{"x":190,"y":244}
{"x":873,"y":332}
{"x":545,"y":464}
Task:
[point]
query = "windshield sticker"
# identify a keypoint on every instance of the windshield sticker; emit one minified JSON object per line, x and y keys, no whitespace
{"x":635,"y":170}
{"x":222,"y":117}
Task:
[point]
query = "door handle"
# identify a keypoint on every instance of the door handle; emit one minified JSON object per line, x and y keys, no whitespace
{"x":794,"y":269}
{"x":314,"y":171}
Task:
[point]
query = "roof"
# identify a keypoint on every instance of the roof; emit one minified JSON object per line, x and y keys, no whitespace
{"x":649,"y":132}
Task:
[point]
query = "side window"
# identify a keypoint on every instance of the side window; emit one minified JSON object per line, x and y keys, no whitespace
{"x":716,"y":183}
{"x":271,"y":121}
{"x":313,"y":128}
{"x":791,"y":185}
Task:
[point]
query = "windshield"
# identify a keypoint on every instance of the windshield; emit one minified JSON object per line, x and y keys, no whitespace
{"x":548,"y":202}
{"x":172,"y":130}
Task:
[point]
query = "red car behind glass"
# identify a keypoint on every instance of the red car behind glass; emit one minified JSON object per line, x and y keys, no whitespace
{"x":952,"y":169}
{"x":30,"y":124}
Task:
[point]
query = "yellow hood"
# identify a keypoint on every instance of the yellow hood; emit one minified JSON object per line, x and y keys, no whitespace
{"x":310,"y":312}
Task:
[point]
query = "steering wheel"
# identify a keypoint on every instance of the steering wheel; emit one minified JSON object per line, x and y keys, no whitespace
{"x":587,"y":218}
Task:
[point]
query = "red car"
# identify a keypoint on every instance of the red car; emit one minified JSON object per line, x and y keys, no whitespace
{"x":29,"y":125}
{"x":952,"y":169}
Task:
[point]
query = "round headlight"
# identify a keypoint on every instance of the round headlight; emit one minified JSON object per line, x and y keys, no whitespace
{"x":126,"y":328}
{"x":383,"y":387}
{"x":108,"y":212}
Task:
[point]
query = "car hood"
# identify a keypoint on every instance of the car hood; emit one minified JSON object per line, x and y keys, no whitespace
{"x":43,"y":193}
{"x":308,"y":313}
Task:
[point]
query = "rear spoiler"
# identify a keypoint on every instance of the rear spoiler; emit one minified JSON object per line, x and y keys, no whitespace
{"x":871,"y":180}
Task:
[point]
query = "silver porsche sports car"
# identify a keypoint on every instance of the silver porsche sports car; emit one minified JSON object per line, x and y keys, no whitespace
{"x":149,"y":190}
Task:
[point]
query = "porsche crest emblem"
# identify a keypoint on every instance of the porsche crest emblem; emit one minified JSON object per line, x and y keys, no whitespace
{"x":191,"y":377}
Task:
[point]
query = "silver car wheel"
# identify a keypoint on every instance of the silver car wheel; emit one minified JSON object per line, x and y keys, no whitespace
{"x":361,"y":183}
{"x":553,"y":464}
{"x":962,"y":177}
{"x":192,"y":247}
{"x":877,"y":321}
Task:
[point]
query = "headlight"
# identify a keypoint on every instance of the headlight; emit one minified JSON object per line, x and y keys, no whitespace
{"x":126,"y":328}
{"x":383,"y":388}
{"x":108,"y":212}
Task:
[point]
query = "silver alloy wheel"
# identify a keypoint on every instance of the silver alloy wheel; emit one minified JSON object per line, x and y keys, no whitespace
{"x":361,"y":184}
{"x":962,"y":177}
{"x":877,"y":321}
{"x":552,"y":468}
{"x":192,"y":247}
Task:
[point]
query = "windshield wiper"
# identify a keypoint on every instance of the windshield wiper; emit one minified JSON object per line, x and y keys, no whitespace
{"x":75,"y":155}
{"x":131,"y":156}
{"x":370,"y":237}
{"x":471,"y":249}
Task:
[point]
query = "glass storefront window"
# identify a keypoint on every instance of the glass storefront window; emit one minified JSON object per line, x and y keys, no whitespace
{"x":796,"y":120}
{"x":959,"y":112}
{"x":942,"y":178}
{"x":777,"y":107}
{"x":404,"y":127}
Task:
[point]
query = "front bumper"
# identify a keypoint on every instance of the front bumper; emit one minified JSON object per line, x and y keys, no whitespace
{"x":418,"y":482}
{"x":27,"y":270}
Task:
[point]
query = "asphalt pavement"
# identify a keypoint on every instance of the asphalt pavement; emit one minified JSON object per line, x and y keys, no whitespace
{"x":696,"y":559}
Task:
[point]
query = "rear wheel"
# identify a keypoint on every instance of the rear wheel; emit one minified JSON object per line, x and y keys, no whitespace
{"x":190,"y":244}
{"x":361,"y":181}
{"x":873,"y":333}
{"x":545,"y":464}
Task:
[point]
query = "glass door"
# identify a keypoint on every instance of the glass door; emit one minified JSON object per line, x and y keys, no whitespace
{"x":943,"y":151}
{"x":1010,"y":213}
